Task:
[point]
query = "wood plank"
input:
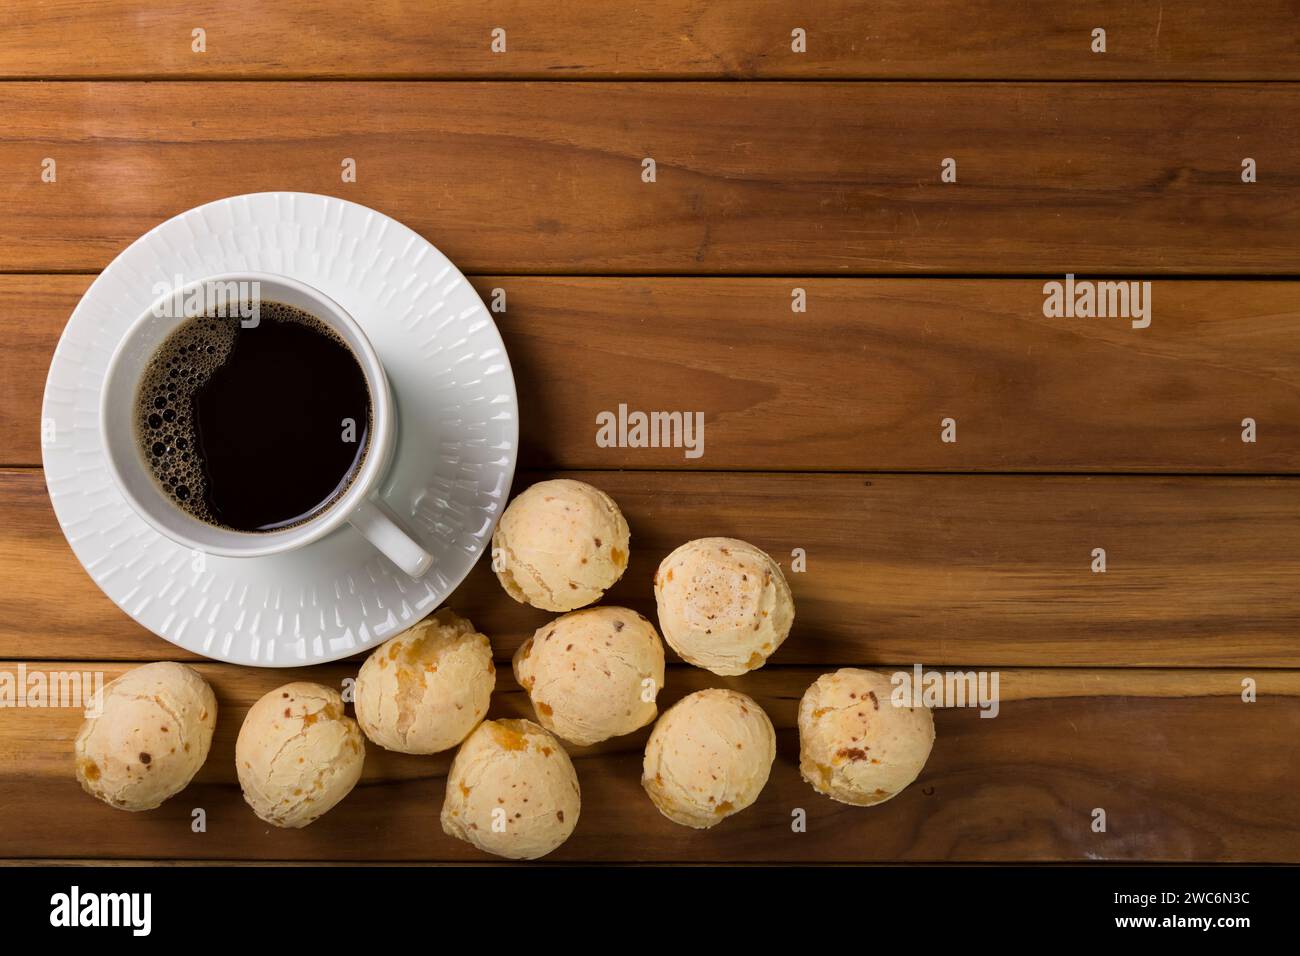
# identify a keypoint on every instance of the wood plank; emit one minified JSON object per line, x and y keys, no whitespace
{"x":1184,"y":769}
{"x":970,"y":570}
{"x":795,"y":178}
{"x":859,"y":382}
{"x":941,"y":39}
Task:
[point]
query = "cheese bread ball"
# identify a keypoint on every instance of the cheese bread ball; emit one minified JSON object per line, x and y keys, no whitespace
{"x":428,"y":687}
{"x":298,"y":754}
{"x":512,"y":791}
{"x":593,"y":674}
{"x":855,"y":745}
{"x":145,"y":736}
{"x":560,"y":545}
{"x":724,"y":605}
{"x":708,"y":757}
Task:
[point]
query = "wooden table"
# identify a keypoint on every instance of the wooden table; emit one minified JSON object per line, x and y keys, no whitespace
{"x":774,"y":171}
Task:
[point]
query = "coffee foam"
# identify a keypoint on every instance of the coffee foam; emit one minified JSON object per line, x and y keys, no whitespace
{"x":180,"y":366}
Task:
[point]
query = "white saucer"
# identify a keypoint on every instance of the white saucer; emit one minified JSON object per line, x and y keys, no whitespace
{"x":458,"y":434}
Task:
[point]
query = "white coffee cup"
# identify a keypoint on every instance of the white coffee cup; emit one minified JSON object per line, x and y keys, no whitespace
{"x":358,"y":506}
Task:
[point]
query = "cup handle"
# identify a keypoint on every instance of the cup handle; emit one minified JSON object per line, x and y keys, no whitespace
{"x":395,"y":544}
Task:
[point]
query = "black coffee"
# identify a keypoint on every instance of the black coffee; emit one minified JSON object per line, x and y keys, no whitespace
{"x":254,"y":429}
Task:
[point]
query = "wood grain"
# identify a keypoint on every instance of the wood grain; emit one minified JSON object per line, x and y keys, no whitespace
{"x":777,"y":178}
{"x":1119,"y":691}
{"x":972,"y":570}
{"x":940,"y":39}
{"x":859,"y":382}
{"x":1213,"y":781}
